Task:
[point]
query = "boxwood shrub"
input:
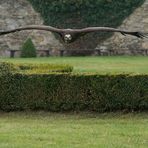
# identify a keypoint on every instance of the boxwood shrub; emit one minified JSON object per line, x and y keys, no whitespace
{"x":73,"y":92}
{"x":43,"y":68}
{"x":7,"y":68}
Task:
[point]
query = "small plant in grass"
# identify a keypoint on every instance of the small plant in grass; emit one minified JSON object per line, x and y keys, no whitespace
{"x":28,"y":49}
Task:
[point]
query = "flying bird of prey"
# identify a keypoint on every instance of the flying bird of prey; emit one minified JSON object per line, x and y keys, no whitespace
{"x":70,"y":35}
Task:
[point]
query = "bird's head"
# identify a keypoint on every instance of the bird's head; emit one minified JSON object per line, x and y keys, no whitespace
{"x":67,"y":38}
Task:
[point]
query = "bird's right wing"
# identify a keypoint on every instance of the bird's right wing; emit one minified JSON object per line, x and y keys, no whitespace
{"x":32,"y":27}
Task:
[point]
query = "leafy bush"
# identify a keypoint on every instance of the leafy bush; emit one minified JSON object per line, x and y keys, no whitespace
{"x":29,"y":68}
{"x":71,"y":92}
{"x":7,"y":68}
{"x":84,"y":13}
{"x":28,"y":49}
{"x":43,"y":68}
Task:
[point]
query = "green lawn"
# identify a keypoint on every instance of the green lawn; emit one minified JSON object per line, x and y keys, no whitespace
{"x":118,"y":64}
{"x":85,"y":130}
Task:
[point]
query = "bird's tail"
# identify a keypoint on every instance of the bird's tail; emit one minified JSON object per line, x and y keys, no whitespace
{"x":137,"y":34}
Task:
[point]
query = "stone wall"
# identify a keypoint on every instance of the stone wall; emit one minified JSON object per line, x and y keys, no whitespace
{"x":15,"y":13}
{"x":129,"y":45}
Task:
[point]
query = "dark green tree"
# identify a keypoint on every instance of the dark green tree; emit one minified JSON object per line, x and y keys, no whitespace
{"x":28,"y":49}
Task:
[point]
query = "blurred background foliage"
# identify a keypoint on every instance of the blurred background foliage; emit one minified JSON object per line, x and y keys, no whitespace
{"x":85,"y":13}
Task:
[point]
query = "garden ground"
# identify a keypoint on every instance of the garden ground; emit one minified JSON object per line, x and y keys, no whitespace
{"x":83,"y":130}
{"x":113,"y":64}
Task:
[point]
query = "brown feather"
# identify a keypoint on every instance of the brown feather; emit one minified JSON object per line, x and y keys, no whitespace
{"x":75,"y":33}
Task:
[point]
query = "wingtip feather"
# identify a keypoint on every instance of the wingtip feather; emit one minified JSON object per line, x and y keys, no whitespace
{"x":137,"y":34}
{"x":141,"y":35}
{"x":1,"y":32}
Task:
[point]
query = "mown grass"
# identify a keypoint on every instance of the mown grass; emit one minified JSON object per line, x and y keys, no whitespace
{"x":116,"y":64}
{"x":85,"y":130}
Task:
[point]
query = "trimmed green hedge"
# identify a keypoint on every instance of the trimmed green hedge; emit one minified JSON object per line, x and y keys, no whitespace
{"x":34,"y":90}
{"x":71,"y":92}
{"x":84,"y":13}
{"x":43,"y":68}
{"x":7,"y":68}
{"x":29,"y":68}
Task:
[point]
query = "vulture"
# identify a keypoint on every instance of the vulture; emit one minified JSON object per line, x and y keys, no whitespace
{"x":71,"y":35}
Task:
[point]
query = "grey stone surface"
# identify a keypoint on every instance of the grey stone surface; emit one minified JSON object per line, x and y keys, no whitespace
{"x":15,"y":13}
{"x":129,"y":45}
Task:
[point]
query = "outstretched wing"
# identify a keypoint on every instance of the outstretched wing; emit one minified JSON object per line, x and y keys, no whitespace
{"x":33,"y":27}
{"x":108,"y":29}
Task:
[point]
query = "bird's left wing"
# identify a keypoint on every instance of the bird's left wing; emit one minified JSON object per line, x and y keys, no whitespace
{"x":108,"y":29}
{"x":32,"y":27}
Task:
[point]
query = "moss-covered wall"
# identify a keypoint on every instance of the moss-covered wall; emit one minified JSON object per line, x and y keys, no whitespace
{"x":84,"y":13}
